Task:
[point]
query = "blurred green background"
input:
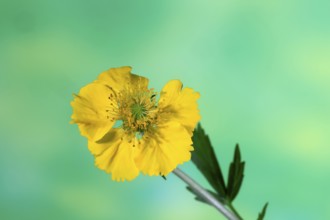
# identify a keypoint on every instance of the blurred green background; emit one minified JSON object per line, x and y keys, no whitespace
{"x":263,"y":71}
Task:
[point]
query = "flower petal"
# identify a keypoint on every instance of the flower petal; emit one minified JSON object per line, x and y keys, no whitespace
{"x":163,"y":150}
{"x":89,"y":111}
{"x":121,"y":78}
{"x":115,"y":155}
{"x":179,"y":105}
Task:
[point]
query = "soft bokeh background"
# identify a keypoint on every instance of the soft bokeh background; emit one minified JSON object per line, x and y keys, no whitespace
{"x":263,"y":71}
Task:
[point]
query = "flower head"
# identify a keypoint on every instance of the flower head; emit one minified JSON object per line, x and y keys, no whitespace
{"x":129,"y":130}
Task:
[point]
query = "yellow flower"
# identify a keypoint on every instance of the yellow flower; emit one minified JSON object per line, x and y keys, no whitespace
{"x":128,"y":130}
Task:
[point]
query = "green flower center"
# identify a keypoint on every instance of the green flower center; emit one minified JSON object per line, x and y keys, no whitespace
{"x":138,"y":111}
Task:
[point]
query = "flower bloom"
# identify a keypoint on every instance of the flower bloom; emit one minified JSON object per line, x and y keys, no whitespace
{"x":129,"y":130}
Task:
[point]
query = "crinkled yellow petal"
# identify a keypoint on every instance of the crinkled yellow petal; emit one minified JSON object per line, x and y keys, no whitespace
{"x":162,"y":150}
{"x":121,"y":78}
{"x":115,"y":155}
{"x":179,"y":104}
{"x":89,"y":111}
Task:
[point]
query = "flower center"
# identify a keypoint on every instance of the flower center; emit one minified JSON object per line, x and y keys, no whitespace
{"x":137,"y":109}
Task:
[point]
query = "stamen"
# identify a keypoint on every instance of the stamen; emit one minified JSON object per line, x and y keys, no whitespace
{"x":137,"y":108}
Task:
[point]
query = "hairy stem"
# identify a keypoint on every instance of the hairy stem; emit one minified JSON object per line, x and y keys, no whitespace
{"x":203,"y":193}
{"x":230,"y":205}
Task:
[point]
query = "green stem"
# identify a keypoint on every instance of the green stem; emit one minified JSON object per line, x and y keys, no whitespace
{"x":203,"y":193}
{"x":232,"y":208}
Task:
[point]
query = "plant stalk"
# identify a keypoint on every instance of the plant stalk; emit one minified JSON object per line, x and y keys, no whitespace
{"x":232,"y":208}
{"x":203,"y":193}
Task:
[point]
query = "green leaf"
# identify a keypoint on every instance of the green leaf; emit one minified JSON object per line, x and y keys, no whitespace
{"x":235,"y":175}
{"x":263,"y":212}
{"x":204,"y":158}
